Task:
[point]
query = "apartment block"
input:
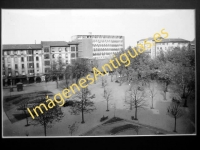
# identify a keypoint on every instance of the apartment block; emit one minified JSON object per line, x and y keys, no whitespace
{"x":99,"y":46}
{"x":164,"y":45}
{"x":29,"y":63}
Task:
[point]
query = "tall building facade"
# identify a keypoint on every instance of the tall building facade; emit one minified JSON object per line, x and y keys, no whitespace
{"x":164,"y":45}
{"x":99,"y":46}
{"x":28,"y":63}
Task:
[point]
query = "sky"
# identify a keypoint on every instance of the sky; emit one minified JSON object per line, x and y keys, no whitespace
{"x":25,"y":26}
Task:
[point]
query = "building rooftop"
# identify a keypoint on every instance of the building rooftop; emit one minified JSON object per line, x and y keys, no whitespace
{"x":173,"y":40}
{"x":54,"y":43}
{"x":21,"y":46}
{"x":98,"y":35}
{"x":167,"y":40}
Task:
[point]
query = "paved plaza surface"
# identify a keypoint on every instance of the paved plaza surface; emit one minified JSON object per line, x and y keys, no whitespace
{"x":156,"y":117}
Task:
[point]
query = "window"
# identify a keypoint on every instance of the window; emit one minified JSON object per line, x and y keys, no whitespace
{"x":22,"y":66}
{"x":15,"y":52}
{"x":30,"y":65}
{"x":60,"y":49}
{"x":9,"y":65}
{"x":53,"y":55}
{"x":46,"y":49}
{"x":8,"y":52}
{"x":15,"y":59}
{"x":73,"y":55}
{"x":16,"y":66}
{"x":30,"y":72}
{"x":16,"y":73}
{"x":37,"y":58}
{"x":46,"y":56}
{"x":22,"y":59}
{"x":37,"y":65}
{"x":66,"y":49}
{"x":72,"y":48}
{"x":21,"y":52}
{"x":29,"y":52}
{"x":30,"y":58}
{"x":23,"y":72}
{"x":67,"y":62}
{"x":47,"y":63}
{"x":8,"y":59}
{"x":47,"y":70}
{"x":3,"y":66}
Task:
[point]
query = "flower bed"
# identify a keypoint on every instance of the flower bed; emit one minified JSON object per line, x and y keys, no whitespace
{"x":112,"y":120}
{"x":122,"y":128}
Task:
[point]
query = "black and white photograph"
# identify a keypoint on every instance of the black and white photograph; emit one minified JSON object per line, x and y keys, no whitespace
{"x":98,"y":72}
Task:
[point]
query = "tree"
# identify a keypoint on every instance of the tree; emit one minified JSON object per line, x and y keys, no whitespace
{"x":73,"y":128}
{"x":104,"y":84}
{"x":152,"y":92}
{"x":184,"y":72}
{"x":108,"y":97}
{"x":185,"y":81}
{"x":23,"y":106}
{"x":47,"y":119}
{"x":57,"y":69}
{"x":95,"y":64}
{"x":166,"y":75}
{"x":82,"y":103}
{"x":80,"y":68}
{"x":136,"y":99}
{"x":175,"y":111}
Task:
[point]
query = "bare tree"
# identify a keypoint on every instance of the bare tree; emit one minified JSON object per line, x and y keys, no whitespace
{"x":82,"y":103}
{"x":136,"y":99}
{"x":73,"y":128}
{"x":94,"y":63}
{"x":129,"y":99}
{"x":108,"y":96}
{"x":152,"y":92}
{"x":175,"y":111}
{"x":47,"y":119}
{"x":23,"y":106}
{"x":104,"y":85}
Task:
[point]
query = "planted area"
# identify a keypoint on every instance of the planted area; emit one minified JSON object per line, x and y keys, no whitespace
{"x":15,"y":106}
{"x":122,"y":128}
{"x":112,"y":120}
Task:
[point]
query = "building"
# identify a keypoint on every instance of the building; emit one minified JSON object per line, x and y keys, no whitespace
{"x":99,"y":46}
{"x":164,"y":45}
{"x":29,"y":63}
{"x":193,"y":45}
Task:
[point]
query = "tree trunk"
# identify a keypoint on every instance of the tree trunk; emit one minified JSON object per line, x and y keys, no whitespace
{"x":136,"y":113}
{"x":175,"y":125}
{"x":107,"y":106}
{"x":152,"y":102}
{"x":166,"y":86}
{"x":26,"y":118}
{"x":165,"y":95}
